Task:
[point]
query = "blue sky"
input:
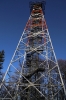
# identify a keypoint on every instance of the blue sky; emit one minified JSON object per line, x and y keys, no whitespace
{"x":13,"y":18}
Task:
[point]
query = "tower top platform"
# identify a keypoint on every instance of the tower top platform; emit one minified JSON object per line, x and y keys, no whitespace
{"x":36,"y":5}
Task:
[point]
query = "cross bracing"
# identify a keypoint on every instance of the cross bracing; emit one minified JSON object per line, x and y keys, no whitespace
{"x":33,"y":72}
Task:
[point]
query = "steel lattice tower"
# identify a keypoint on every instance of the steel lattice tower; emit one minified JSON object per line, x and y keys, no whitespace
{"x":33,"y":72}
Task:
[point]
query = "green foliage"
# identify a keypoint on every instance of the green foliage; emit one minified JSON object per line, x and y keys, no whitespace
{"x":1,"y":58}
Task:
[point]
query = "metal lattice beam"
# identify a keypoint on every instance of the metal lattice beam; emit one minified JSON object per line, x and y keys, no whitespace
{"x":33,"y":72}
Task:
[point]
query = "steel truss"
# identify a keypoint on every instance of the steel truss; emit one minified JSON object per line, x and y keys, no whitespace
{"x":33,"y":72}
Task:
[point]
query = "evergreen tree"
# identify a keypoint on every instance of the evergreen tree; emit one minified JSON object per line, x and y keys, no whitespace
{"x":1,"y":63}
{"x":1,"y":67}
